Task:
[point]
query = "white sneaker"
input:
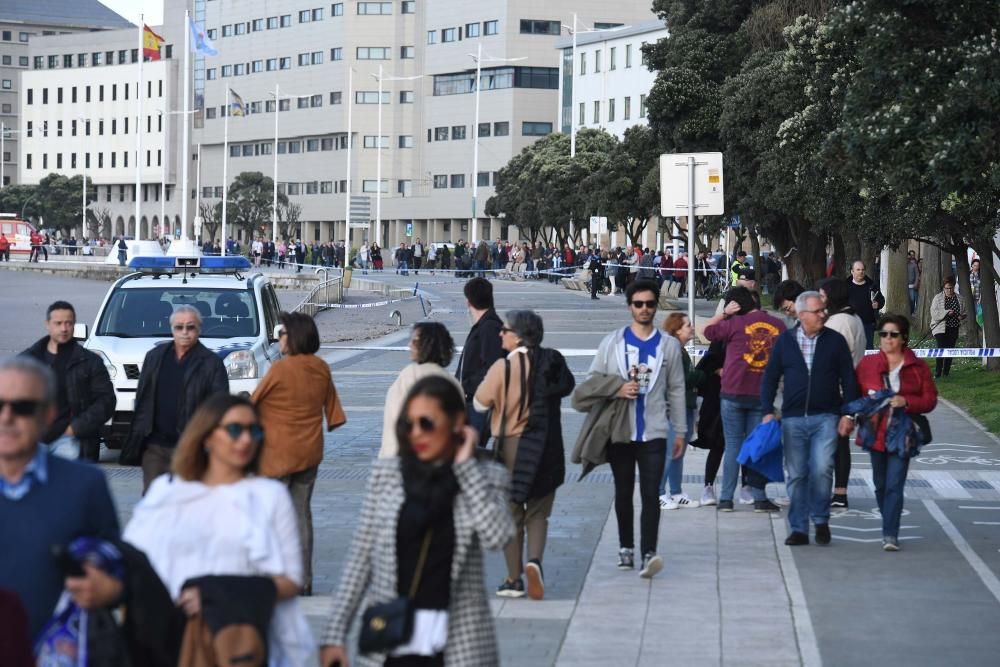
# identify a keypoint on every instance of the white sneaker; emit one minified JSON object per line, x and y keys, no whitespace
{"x":746,"y":498}
{"x":684,"y":501}
{"x":708,"y":496}
{"x":667,"y":502}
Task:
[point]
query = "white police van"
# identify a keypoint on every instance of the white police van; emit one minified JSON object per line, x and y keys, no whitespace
{"x":239,"y":315}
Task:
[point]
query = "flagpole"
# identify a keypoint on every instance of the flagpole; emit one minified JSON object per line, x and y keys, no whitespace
{"x":138,"y":135}
{"x":197,"y":190}
{"x":347,"y":194}
{"x":274,"y":200}
{"x":185,"y":136}
{"x":225,"y":169}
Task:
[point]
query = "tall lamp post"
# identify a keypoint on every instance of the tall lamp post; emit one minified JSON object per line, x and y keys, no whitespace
{"x":274,"y":195}
{"x":380,"y":77}
{"x":478,"y":57}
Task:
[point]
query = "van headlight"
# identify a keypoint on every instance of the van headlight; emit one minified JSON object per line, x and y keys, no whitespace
{"x":240,"y":365}
{"x":112,"y":371}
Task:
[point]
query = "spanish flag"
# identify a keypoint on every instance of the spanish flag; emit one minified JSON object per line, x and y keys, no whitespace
{"x":150,"y":43}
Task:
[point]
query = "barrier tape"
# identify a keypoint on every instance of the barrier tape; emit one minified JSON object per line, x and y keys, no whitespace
{"x":374,"y":304}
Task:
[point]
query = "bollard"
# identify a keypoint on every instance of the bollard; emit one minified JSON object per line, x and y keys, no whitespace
{"x":397,"y":316}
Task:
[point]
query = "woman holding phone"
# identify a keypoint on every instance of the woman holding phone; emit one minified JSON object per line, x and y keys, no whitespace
{"x":426,"y":517}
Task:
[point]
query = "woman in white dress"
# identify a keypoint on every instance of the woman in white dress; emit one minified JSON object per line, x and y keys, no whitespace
{"x":214,"y":516}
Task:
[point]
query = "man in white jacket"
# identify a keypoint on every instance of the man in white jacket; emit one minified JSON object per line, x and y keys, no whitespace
{"x":652,"y":373}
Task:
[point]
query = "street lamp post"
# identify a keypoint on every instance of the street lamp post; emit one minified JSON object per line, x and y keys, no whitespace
{"x":378,"y":163}
{"x":478,"y":57}
{"x":274,"y":194}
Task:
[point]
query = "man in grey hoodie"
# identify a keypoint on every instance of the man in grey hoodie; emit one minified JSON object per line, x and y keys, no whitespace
{"x":651,"y":370}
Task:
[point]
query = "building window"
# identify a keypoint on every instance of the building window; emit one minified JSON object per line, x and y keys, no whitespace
{"x":337,"y":9}
{"x":293,"y":188}
{"x":227,"y":71}
{"x":258,"y":25}
{"x":241,"y":28}
{"x":491,"y":27}
{"x":597,"y":111}
{"x":374,"y":8}
{"x":535,"y":129}
{"x":642,"y":106}
{"x":370,"y":97}
{"x":7,"y":35}
{"x":406,"y":97}
{"x":484,"y":129}
{"x":374,"y":53}
{"x":582,"y":118}
{"x":449,"y":35}
{"x":533,"y":27}
{"x":611,"y":58}
{"x":285,"y":63}
{"x":483,"y":179}
{"x":272,"y":23}
{"x":583,"y":64}
{"x":22,"y":61}
{"x":317,"y":57}
{"x":336,"y":97}
{"x":210,"y":74}
{"x":372,"y":185}
{"x":458,"y":180}
{"x":440,"y":181}
{"x":628,"y":55}
{"x":627,"y":111}
{"x":54,"y":61}
{"x":316,"y":101}
{"x":68,"y":60}
{"x":272,"y":64}
{"x":303,"y":59}
{"x":305,"y":16}
{"x":210,"y":113}
{"x":312,"y":145}
{"x":27,"y":160}
{"x":606,"y":26}
{"x":294,"y":146}
{"x":257,"y":66}
{"x":457,"y":132}
{"x":611,"y":110}
{"x":471,"y":30}
{"x":22,"y":36}
{"x":406,"y":141}
{"x":31,"y":96}
{"x":432,"y":37}
{"x":597,"y":60}
{"x":405,"y":188}
{"x":227,"y":31}
{"x":81,"y":60}
{"x":501,"y":129}
{"x":284,"y":105}
{"x":440,"y":134}
{"x":318,"y":14}
{"x":286,"y":20}
{"x":337,"y":53}
{"x":39,"y":62}
{"x":303,"y":103}
{"x":372,"y":141}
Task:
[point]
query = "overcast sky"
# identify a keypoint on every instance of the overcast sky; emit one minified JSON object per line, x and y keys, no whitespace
{"x":131,"y":9}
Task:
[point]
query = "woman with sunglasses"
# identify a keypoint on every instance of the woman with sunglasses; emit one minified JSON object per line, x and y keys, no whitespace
{"x":947,"y":313}
{"x":524,"y":390}
{"x":897,"y":368}
{"x":214,"y":516}
{"x":433,"y":506}
{"x":292,"y":399}
{"x":431,"y":349}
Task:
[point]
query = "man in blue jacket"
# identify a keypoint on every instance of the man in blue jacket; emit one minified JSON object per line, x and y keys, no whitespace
{"x":816,"y":365}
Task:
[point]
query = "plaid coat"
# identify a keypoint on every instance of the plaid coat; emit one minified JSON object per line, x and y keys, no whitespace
{"x":482,"y":519}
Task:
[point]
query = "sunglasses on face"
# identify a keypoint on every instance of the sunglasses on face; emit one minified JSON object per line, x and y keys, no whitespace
{"x":423,"y":424}
{"x":888,"y":334}
{"x":25,"y":407}
{"x":235,"y":430}
{"x":651,"y":305}
{"x":185,"y":327}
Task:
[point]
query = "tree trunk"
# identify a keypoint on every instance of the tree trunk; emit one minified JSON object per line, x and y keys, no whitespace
{"x":930,"y":285}
{"x":755,"y":251}
{"x":970,"y":329}
{"x":988,"y":300}
{"x":897,"y":296}
{"x":842,"y":249}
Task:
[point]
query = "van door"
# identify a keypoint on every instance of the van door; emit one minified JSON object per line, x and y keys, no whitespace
{"x":271,"y":311}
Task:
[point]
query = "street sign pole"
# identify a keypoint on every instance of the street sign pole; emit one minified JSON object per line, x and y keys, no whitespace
{"x":690,"y":248}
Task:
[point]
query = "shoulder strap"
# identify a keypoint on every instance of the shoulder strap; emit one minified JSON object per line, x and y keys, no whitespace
{"x":503,"y":410}
{"x":421,"y":561}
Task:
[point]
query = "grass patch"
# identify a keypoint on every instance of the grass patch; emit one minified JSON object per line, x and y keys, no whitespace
{"x":974,"y":389}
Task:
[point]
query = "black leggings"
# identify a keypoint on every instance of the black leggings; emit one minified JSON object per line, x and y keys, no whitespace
{"x":945,"y":341}
{"x":650,"y":457}
{"x":713,"y":462}
{"x":842,"y":462}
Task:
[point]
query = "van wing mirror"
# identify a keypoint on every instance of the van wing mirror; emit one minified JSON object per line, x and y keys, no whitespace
{"x":276,"y":334}
{"x":80,"y":331}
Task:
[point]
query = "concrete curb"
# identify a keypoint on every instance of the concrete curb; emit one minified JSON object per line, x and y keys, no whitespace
{"x":972,"y":420}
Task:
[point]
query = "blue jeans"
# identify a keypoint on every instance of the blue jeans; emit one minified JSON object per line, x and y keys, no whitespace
{"x":889,"y":476}
{"x":673,"y":471}
{"x":738,"y":420}
{"x":809,"y":443}
{"x":402,"y":268}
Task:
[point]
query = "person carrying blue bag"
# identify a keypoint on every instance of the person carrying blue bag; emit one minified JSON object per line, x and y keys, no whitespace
{"x":762,"y":452}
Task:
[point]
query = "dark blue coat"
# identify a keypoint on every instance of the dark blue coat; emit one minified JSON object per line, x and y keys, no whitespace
{"x":823,"y":390}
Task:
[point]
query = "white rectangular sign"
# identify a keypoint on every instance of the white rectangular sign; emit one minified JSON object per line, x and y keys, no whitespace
{"x":675,"y":188}
{"x":598,"y":225}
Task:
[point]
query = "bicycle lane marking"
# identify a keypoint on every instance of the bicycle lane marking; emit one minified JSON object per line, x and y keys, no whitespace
{"x":985,"y":574}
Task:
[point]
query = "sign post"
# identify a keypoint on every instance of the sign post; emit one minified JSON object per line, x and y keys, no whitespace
{"x":691,"y":182}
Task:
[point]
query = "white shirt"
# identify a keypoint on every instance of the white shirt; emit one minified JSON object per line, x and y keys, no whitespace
{"x":189,"y":529}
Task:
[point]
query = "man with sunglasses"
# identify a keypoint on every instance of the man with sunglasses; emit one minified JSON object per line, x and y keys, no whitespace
{"x":85,"y":397}
{"x":815,"y":363}
{"x":651,"y":373}
{"x":176,"y":377}
{"x":45,"y":501}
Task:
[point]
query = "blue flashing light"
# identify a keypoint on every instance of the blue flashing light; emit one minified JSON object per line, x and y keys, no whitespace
{"x":228,"y":263}
{"x":152,"y":264}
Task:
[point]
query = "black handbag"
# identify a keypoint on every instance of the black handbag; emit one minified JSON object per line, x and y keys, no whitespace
{"x":390,"y":624}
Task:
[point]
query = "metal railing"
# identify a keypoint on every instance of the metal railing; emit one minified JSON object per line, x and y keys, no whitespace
{"x":320,"y":297}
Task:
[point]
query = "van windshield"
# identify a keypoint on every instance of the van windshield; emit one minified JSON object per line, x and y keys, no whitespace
{"x":145,"y":312}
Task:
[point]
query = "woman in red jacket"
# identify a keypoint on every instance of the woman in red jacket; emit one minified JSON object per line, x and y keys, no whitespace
{"x":896,"y":367}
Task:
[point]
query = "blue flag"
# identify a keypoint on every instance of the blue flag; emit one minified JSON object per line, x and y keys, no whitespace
{"x":200,"y":43}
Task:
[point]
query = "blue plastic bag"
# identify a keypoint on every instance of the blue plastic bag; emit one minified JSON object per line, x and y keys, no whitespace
{"x":762,"y":451}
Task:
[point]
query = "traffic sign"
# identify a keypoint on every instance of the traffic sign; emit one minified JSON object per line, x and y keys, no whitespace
{"x":598,"y":225}
{"x":675,"y":188}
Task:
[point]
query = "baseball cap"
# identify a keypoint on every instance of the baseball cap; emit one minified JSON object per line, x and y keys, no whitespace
{"x":747,"y":273}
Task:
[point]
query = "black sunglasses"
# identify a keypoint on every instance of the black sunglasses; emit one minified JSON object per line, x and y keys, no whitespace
{"x":890,"y":334}
{"x":235,"y":430}
{"x":423,"y":424}
{"x":185,"y":327}
{"x":22,"y":407}
{"x":637,"y":303}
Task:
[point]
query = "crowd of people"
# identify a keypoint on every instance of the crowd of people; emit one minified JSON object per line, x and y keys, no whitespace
{"x":213,"y":560}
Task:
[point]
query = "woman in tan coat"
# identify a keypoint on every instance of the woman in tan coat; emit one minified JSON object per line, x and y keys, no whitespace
{"x":292,"y":400}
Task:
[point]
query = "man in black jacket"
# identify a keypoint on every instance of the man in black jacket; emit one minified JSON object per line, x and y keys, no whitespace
{"x":482,"y":348}
{"x":865,"y":298}
{"x":176,"y":377}
{"x":85,"y":398}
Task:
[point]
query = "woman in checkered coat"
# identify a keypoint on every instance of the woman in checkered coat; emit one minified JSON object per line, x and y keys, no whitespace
{"x":437,"y":504}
